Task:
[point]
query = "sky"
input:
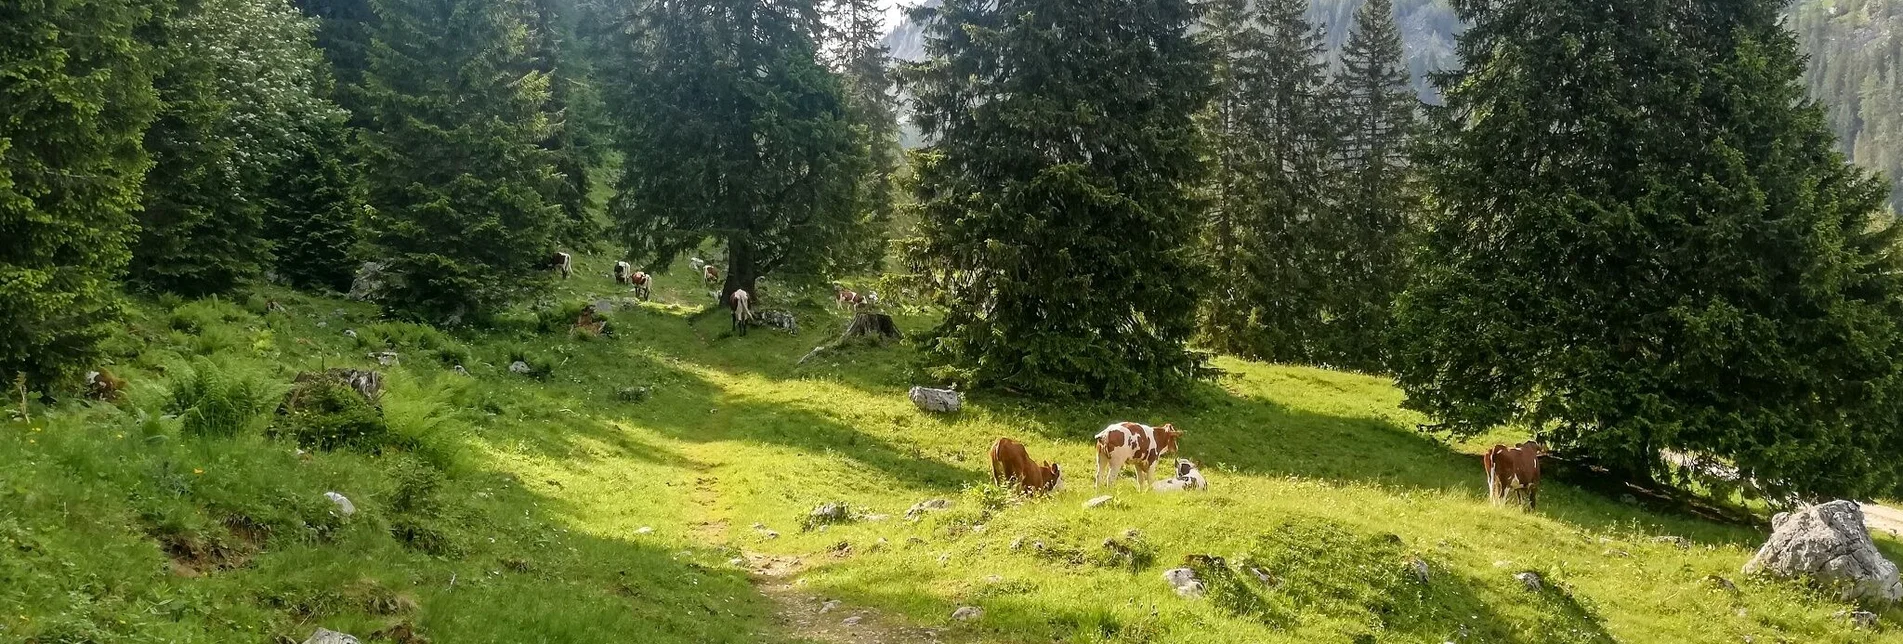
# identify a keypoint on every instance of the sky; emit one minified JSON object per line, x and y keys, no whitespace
{"x":895,"y":13}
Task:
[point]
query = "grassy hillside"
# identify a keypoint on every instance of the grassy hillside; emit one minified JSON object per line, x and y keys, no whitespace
{"x":614,"y":496}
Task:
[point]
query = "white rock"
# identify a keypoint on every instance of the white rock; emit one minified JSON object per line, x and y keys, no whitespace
{"x":1419,"y":566}
{"x":344,"y":506}
{"x":350,"y":333}
{"x":1531,"y":580}
{"x":967,"y":613}
{"x":1100,"y":501}
{"x":386,"y":358}
{"x":828,"y":606}
{"x":1828,"y":543}
{"x":519,"y":367}
{"x":1184,"y":581}
{"x":461,"y":370}
{"x":327,"y":636}
{"x":643,"y":530}
{"x":737,"y":562}
{"x":936,"y":400}
{"x":851,"y":621}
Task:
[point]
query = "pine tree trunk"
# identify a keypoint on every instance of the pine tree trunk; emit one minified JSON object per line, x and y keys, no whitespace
{"x":743,"y":269}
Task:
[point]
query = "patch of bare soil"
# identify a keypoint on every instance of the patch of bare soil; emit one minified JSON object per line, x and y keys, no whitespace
{"x":1883,"y":519}
{"x":806,"y":616}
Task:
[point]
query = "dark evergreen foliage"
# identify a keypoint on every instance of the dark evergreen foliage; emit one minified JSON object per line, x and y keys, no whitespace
{"x":1364,"y":243}
{"x":856,"y":50}
{"x":77,"y":96}
{"x":1056,"y":193}
{"x":314,"y":212}
{"x":732,"y":130}
{"x":1272,"y":133}
{"x":1646,"y":240}
{"x":454,"y":159}
{"x":241,"y":83}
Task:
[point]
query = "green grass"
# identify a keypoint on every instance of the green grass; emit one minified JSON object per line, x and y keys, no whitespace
{"x":508,"y":508}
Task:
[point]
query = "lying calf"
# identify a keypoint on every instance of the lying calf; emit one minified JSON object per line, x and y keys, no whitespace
{"x":1187,"y":478}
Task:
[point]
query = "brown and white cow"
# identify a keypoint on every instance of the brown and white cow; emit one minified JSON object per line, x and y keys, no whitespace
{"x":1513,"y":470}
{"x":562,"y":262}
{"x":710,"y":274}
{"x":1135,"y":443}
{"x":846,"y":299}
{"x":742,"y":304}
{"x":1010,"y":462}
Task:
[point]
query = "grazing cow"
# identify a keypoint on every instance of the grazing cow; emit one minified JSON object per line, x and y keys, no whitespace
{"x":624,"y":273}
{"x":697,"y":264}
{"x":1513,"y":470}
{"x":1009,"y":462}
{"x":1187,"y":478}
{"x":641,"y":281}
{"x":102,"y":385}
{"x":562,"y":262}
{"x":710,"y":274}
{"x":846,"y":299}
{"x":742,"y":311}
{"x":1133,"y":443}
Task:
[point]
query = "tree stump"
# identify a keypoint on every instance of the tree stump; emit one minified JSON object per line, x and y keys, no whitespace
{"x":877,"y":325}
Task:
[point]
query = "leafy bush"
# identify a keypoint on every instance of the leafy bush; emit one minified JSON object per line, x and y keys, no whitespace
{"x":559,"y":318}
{"x":220,"y":401}
{"x":200,"y":315}
{"x":326,"y":414}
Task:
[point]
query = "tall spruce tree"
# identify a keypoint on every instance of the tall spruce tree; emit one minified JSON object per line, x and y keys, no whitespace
{"x":857,"y":52}
{"x":574,"y":142}
{"x":455,"y":164}
{"x":1057,"y":193}
{"x":732,"y":129}
{"x":1273,"y":177}
{"x":78,"y":94}
{"x":242,"y":82}
{"x":314,"y":209}
{"x":1646,"y":240}
{"x":1365,"y":235}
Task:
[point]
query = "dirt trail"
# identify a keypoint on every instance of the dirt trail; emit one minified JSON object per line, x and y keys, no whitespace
{"x":1883,"y":519}
{"x":810,"y":617}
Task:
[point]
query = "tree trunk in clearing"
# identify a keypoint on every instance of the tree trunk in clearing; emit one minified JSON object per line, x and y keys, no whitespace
{"x":872,"y":324}
{"x":743,"y":270}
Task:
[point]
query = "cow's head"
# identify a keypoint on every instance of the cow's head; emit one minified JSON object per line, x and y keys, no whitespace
{"x":1166,"y":438}
{"x":1184,"y":466}
{"x":1053,"y":477}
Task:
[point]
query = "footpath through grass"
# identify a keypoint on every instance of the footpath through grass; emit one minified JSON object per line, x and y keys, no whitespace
{"x":610,"y":496}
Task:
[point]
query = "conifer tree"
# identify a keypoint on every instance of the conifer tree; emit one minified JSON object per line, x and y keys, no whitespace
{"x":857,"y":52}
{"x":1274,"y":163}
{"x":314,"y":210}
{"x":732,"y":129}
{"x":1646,"y":240}
{"x":574,"y":142}
{"x":1056,"y":194}
{"x":1363,"y":265}
{"x":78,"y":94}
{"x":241,"y":82}
{"x":455,"y":165}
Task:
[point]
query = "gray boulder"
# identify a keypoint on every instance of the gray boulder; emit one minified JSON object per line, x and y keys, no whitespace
{"x":928,"y":505}
{"x":369,"y":282}
{"x":327,"y":636}
{"x":942,"y":401}
{"x":1185,"y":582}
{"x":1829,"y":544}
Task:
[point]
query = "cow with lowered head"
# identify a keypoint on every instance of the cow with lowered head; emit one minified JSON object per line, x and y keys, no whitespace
{"x":1010,"y":462}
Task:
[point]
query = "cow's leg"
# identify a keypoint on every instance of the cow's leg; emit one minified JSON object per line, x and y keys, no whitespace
{"x":1103,"y":464}
{"x":1532,"y":497}
{"x":1496,"y":488}
{"x":1143,"y":474}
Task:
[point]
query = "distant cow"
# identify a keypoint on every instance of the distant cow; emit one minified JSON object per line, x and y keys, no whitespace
{"x":562,"y":262}
{"x":742,"y":311}
{"x":102,"y":385}
{"x":710,"y":274}
{"x":640,"y":280}
{"x":1187,"y":478}
{"x":624,"y":273}
{"x":1009,"y":462}
{"x":1135,"y":443}
{"x":1513,"y":470}
{"x":846,"y":299}
{"x":697,"y":264}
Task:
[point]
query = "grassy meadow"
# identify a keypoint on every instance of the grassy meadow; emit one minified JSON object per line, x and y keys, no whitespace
{"x":627,"y":489}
